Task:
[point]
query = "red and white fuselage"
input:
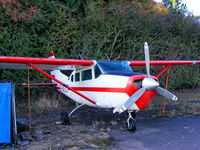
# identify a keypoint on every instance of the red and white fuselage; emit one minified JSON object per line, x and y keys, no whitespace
{"x":107,"y":90}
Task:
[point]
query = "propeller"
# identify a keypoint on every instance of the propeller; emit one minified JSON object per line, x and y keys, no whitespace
{"x":165,"y":93}
{"x":147,"y":59}
{"x":130,"y":101}
{"x":147,"y":84}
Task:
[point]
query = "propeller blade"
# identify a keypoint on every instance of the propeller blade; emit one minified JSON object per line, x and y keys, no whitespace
{"x":147,"y":59}
{"x":130,"y":101}
{"x":165,"y":93}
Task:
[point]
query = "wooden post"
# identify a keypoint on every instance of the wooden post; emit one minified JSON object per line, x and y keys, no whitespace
{"x":166,"y":87}
{"x":29,"y":101}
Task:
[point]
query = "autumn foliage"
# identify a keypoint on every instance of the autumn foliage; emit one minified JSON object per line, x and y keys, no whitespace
{"x":19,"y":11}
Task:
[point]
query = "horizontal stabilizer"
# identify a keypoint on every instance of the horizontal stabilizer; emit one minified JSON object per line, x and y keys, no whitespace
{"x":37,"y":84}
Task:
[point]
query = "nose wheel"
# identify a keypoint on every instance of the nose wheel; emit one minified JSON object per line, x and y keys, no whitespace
{"x":131,"y":123}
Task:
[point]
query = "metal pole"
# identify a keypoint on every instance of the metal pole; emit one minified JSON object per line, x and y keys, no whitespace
{"x":15,"y":138}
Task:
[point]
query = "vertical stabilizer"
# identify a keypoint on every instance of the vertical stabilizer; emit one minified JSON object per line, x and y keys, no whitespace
{"x":51,"y":55}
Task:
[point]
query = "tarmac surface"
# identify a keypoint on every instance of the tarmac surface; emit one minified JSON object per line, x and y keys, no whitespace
{"x":160,"y":134}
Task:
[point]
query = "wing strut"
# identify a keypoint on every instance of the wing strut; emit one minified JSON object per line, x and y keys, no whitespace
{"x":61,"y":83}
{"x":162,"y":71}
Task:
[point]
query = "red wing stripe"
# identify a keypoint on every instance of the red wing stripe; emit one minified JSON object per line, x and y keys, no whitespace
{"x":101,"y":89}
{"x":47,"y":61}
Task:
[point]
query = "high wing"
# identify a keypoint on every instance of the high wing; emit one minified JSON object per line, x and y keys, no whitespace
{"x":70,"y":64}
{"x":43,"y":63}
{"x":164,"y":63}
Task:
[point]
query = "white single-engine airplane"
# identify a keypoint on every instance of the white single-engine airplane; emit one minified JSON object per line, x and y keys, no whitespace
{"x":104,"y":84}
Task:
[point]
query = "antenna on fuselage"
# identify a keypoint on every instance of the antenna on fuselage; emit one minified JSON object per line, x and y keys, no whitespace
{"x":107,"y":56}
{"x":80,"y":56}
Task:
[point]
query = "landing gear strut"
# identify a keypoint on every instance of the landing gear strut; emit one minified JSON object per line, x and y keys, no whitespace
{"x":131,"y":123}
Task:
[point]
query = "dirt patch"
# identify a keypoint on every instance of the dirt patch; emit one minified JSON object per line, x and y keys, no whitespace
{"x":48,"y":135}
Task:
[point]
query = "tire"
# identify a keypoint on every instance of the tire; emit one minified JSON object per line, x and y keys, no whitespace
{"x":132,"y":125}
{"x":64,"y":118}
{"x":133,"y":114}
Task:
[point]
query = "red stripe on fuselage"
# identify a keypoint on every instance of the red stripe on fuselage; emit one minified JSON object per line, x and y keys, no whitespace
{"x":129,"y":89}
{"x":142,"y":102}
{"x":101,"y":89}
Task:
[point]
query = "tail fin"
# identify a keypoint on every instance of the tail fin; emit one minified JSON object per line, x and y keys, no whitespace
{"x":51,"y":55}
{"x":53,"y":72}
{"x":57,"y":73}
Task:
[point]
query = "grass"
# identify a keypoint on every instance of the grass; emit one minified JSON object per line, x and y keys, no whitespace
{"x":46,"y":103}
{"x":101,"y":142}
{"x":43,"y":104}
{"x":188,"y":104}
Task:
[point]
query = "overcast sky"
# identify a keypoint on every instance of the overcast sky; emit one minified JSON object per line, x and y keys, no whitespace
{"x":192,"y":5}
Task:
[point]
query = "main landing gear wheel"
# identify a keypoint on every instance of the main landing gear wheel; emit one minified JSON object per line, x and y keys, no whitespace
{"x":65,"y":118}
{"x":131,"y":123}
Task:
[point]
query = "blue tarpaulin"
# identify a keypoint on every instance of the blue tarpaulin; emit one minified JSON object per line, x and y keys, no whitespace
{"x":5,"y":112}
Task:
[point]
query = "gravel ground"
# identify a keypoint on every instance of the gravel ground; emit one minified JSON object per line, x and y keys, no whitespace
{"x":93,"y":129}
{"x":99,"y":129}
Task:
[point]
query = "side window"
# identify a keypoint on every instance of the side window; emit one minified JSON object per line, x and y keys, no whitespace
{"x":77,"y":76}
{"x":97,"y":71}
{"x":87,"y":74}
{"x":72,"y":78}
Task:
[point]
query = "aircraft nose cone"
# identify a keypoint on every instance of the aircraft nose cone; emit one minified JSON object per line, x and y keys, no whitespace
{"x":149,"y":83}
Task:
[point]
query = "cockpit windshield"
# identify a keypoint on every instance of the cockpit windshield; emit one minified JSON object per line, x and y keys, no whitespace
{"x":114,"y":66}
